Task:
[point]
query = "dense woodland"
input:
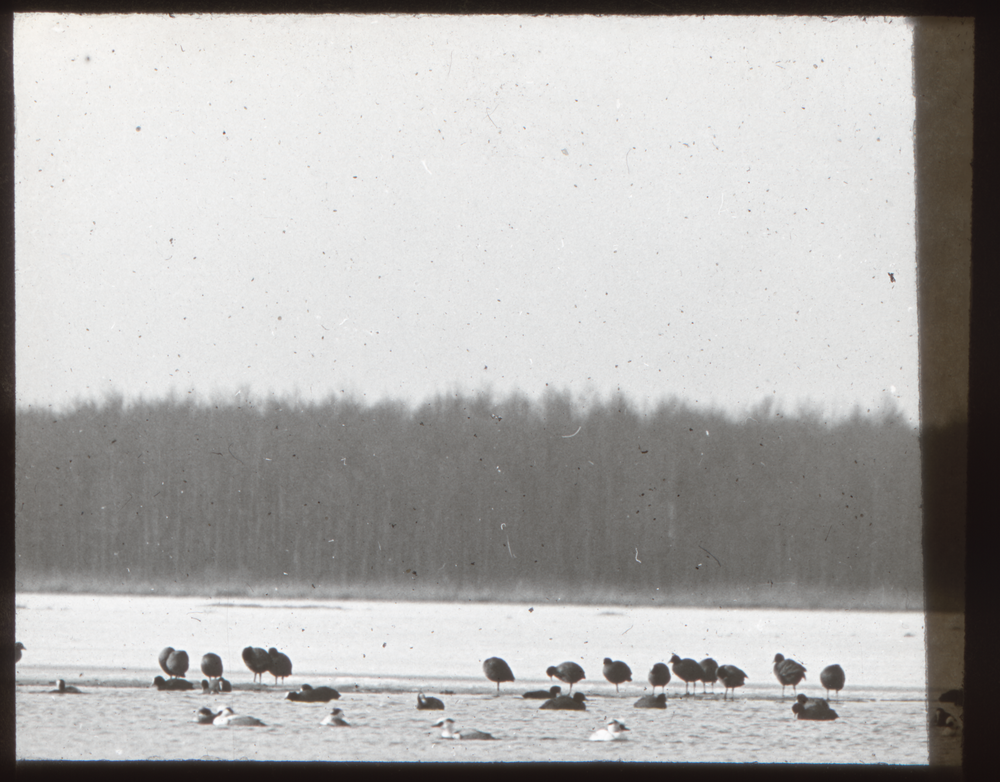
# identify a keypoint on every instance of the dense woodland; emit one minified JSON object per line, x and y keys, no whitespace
{"x":471,"y":494}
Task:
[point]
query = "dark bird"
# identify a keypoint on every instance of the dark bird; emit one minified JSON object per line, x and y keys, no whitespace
{"x":832,"y":678}
{"x":428,"y":704}
{"x":652,"y":701}
{"x":279,"y":665}
{"x":659,"y":676}
{"x":335,"y":719}
{"x":687,"y":669}
{"x":173,"y":663}
{"x":812,"y":709}
{"x":497,"y":670}
{"x":172,"y":685}
{"x":448,"y":731}
{"x":257,"y":660}
{"x":616,"y":672}
{"x":211,"y":665}
{"x":213,"y":686}
{"x":953,"y":696}
{"x":205,"y":716}
{"x":949,"y":722}
{"x":731,"y":678}
{"x":788,"y":672}
{"x":307,"y":694}
{"x":541,"y":695}
{"x":710,"y":675}
{"x":63,"y":689}
{"x":566,"y":703}
{"x":17,"y":651}
{"x":568,"y":672}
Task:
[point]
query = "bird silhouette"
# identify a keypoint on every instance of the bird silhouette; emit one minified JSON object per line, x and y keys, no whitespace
{"x":812,"y":709}
{"x":309,"y":694}
{"x":498,"y":671}
{"x":257,"y":660}
{"x":788,"y":672}
{"x":428,"y":704}
{"x":616,"y":672}
{"x":566,"y":703}
{"x":568,"y":672}
{"x":173,"y":662}
{"x":687,"y":669}
{"x":279,"y":665}
{"x":731,"y":678}
{"x":652,"y":701}
{"x":832,"y":678}
{"x":659,"y":676}
{"x":541,"y":695}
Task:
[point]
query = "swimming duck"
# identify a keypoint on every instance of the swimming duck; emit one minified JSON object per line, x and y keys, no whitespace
{"x":687,"y":669}
{"x":257,"y":660}
{"x":659,"y":676}
{"x":731,"y":678}
{"x":448,"y":731}
{"x":307,"y":694}
{"x":616,"y":672}
{"x":214,"y":686}
{"x":832,"y":678}
{"x":566,"y":703}
{"x":205,"y":716}
{"x":568,"y":672}
{"x":615,"y":731}
{"x":227,"y":717}
{"x":812,"y":709}
{"x":710,"y":675}
{"x":542,"y":695}
{"x":335,"y":719}
{"x":173,"y":662}
{"x":172,"y":685}
{"x":64,"y":689}
{"x":279,"y":665}
{"x":211,"y":665}
{"x":652,"y":701}
{"x":18,"y":647}
{"x":428,"y":704}
{"x":788,"y":672}
{"x":497,"y":670}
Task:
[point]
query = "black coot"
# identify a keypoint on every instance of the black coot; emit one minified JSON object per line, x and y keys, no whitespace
{"x":832,"y":678}
{"x":173,"y":662}
{"x":568,"y":672}
{"x":257,"y":660}
{"x":687,"y":669}
{"x":652,"y":701}
{"x":307,"y":694}
{"x":616,"y":672}
{"x":788,"y":672}
{"x":731,"y":678}
{"x":710,"y":675}
{"x":211,"y":665}
{"x":542,"y":695}
{"x":497,"y":670}
{"x":18,"y":647}
{"x":428,"y":704}
{"x":659,"y":676}
{"x":279,"y":665}
{"x":172,"y":685}
{"x":812,"y":709}
{"x":566,"y":703}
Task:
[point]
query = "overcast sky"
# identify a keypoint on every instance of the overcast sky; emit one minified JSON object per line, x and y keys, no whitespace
{"x":396,"y":207}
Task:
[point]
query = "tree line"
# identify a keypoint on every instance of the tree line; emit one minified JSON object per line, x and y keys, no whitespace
{"x":469,"y":492}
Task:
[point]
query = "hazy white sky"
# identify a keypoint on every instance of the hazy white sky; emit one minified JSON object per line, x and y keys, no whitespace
{"x":706,"y":208}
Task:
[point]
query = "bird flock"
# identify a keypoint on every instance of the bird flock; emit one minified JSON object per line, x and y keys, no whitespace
{"x":789,"y":673}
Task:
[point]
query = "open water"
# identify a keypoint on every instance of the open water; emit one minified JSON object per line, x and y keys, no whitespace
{"x":380,"y":654}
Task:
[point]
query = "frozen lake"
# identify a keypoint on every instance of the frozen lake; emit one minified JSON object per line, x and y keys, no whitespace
{"x":380,"y":654}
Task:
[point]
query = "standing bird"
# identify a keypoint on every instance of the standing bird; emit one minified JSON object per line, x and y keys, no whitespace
{"x":428,"y":704}
{"x":279,"y":665}
{"x":616,"y":672}
{"x":335,"y":719}
{"x":497,"y":670}
{"x":211,"y":666}
{"x":173,"y":663}
{"x":832,"y":677}
{"x":788,"y":672}
{"x":659,"y":676}
{"x":543,"y":695}
{"x":566,"y":703}
{"x":710,"y":675}
{"x":17,"y":651}
{"x":652,"y":701}
{"x":613,"y":732}
{"x":257,"y":660}
{"x":687,"y":669}
{"x":812,"y":709}
{"x":448,"y":731}
{"x":568,"y":672}
{"x":731,"y":678}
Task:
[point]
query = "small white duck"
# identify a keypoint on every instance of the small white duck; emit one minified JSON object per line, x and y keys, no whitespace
{"x":613,"y":732}
{"x":335,"y":719}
